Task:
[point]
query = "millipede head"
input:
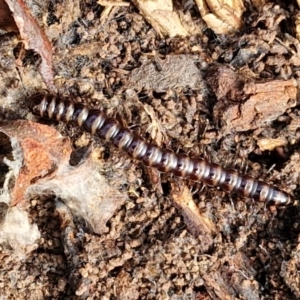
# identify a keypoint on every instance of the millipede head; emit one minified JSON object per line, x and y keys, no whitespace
{"x":35,"y":104}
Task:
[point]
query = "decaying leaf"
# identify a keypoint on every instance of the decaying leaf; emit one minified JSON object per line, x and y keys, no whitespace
{"x":222,"y":16}
{"x":85,"y":191}
{"x":34,"y":38}
{"x":38,"y":150}
{"x":41,"y":167}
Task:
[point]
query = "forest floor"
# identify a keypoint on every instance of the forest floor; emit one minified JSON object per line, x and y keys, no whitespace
{"x":229,"y":97}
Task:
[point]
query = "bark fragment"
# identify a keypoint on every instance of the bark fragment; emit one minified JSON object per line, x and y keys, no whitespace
{"x":267,"y":101}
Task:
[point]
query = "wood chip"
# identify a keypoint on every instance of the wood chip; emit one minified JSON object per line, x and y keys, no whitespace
{"x":222,"y":17}
{"x":196,"y":222}
{"x":267,"y":102}
{"x":271,"y":144}
{"x":162,"y":16}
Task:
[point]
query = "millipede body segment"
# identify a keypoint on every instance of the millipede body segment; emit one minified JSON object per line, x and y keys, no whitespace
{"x":165,"y":160}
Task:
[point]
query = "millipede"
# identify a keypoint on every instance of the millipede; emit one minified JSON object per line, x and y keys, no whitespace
{"x":165,"y":160}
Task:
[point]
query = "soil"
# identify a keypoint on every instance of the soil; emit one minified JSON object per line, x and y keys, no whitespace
{"x":230,"y":98}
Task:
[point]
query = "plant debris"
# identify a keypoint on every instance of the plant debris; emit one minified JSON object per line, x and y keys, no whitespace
{"x":33,"y":37}
{"x":158,"y":75}
{"x":222,"y":17}
{"x":217,"y":79}
{"x":41,"y":167}
{"x":267,"y":101}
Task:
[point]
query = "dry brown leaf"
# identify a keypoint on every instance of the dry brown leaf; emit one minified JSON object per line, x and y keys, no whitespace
{"x":222,"y":16}
{"x":34,"y":38}
{"x":41,"y":167}
{"x":37,"y":150}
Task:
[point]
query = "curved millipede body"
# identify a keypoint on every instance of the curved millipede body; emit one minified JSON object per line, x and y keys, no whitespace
{"x":165,"y":160}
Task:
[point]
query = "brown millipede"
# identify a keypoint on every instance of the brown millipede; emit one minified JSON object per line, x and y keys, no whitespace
{"x":165,"y":160}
